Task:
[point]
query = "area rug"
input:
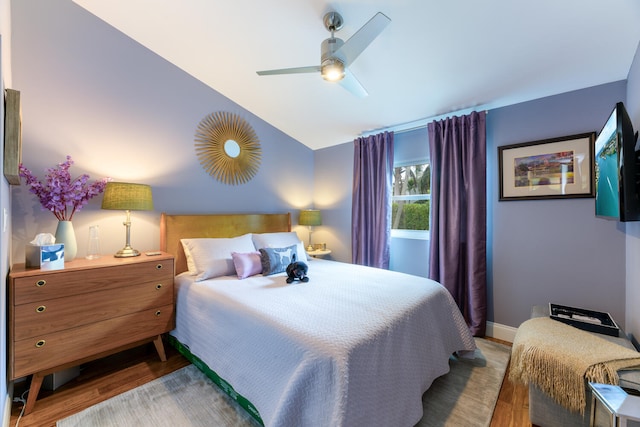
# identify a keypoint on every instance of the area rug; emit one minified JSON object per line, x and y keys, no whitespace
{"x":187,"y":398}
{"x":467,"y":395}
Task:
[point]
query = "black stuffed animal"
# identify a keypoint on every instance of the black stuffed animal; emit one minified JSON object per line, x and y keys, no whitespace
{"x":297,"y":271}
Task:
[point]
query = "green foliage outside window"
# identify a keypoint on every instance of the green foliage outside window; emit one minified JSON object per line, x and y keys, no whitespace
{"x":413,"y":216}
{"x":411,"y":194}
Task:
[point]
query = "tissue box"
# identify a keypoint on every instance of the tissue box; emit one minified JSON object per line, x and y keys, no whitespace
{"x":45,"y":257}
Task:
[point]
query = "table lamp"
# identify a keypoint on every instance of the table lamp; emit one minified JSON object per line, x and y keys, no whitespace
{"x":127,"y":197}
{"x":310,"y":217}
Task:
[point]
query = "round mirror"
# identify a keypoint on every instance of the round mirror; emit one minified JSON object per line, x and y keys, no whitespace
{"x":232,"y":148}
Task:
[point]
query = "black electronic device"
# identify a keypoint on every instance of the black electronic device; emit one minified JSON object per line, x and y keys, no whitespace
{"x":585,"y":319}
{"x":617,"y":168}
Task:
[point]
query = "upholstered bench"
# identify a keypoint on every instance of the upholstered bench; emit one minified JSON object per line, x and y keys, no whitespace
{"x":545,"y":412}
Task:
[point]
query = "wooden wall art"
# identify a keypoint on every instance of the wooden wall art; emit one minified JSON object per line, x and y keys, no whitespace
{"x":228,"y":148}
{"x":12,"y":136}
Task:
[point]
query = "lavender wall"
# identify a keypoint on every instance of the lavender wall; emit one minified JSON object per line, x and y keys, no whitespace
{"x":333,"y":184}
{"x":5,"y":219}
{"x":633,"y":229}
{"x":121,"y":111}
{"x":538,"y":251}
{"x":556,"y":250}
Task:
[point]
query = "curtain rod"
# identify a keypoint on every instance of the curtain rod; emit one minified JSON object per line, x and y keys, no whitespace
{"x":418,"y":124}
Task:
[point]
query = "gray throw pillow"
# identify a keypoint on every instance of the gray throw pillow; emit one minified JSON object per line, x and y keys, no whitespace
{"x":276,"y":260}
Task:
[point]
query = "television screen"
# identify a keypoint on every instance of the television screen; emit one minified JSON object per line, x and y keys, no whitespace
{"x":607,"y":169}
{"x":617,"y":169}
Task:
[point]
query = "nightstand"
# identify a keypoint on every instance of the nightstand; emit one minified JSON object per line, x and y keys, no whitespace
{"x":619,"y":406}
{"x":88,"y":310}
{"x":319,"y":252}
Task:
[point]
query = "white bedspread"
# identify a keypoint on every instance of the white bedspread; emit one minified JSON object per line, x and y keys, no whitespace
{"x":355,"y":346}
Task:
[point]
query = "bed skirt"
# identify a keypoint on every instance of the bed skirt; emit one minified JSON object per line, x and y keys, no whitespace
{"x":213,"y":376}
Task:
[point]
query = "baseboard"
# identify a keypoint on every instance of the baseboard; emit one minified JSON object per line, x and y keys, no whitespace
{"x":501,"y":332}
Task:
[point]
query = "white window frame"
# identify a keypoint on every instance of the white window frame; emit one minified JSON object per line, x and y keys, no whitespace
{"x":411,"y":234}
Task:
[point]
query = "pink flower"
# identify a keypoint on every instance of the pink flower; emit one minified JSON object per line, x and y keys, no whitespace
{"x":60,"y":194}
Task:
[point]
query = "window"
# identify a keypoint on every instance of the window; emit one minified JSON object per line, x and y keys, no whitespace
{"x":411,"y":199}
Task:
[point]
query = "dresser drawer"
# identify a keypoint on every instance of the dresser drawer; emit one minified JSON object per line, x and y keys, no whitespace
{"x":48,"y":285}
{"x":57,"y":348}
{"x":43,"y":317}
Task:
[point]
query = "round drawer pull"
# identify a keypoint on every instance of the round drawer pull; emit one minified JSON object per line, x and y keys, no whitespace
{"x":158,"y":313}
{"x":41,"y":308}
{"x":159,"y":286}
{"x":40,"y":283}
{"x":159,"y":267}
{"x":40,"y":343}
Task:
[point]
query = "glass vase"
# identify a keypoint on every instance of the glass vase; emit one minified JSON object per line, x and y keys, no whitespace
{"x":65,"y":234}
{"x":93,"y":249}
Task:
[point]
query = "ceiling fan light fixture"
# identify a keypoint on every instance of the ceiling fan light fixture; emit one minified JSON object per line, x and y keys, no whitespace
{"x":332,"y":70}
{"x":336,"y":55}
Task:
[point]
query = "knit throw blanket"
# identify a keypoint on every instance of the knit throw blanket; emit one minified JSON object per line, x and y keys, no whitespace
{"x":558,"y":358}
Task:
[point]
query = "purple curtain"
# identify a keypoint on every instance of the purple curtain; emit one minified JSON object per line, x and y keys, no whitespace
{"x":371,"y":209}
{"x":458,"y":213}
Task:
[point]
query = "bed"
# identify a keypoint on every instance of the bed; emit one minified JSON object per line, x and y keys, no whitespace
{"x":354,"y":346}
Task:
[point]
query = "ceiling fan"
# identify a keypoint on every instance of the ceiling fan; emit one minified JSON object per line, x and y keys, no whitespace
{"x":337,"y":55}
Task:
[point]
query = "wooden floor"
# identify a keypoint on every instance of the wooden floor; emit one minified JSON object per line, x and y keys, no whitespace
{"x":116,"y":374}
{"x":512,"y":408}
{"x":98,"y":381}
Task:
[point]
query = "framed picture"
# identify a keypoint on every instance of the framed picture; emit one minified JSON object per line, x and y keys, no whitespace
{"x":557,"y":168}
{"x":12,"y":137}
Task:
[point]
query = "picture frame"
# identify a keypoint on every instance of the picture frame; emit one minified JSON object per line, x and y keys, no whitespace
{"x":556,"y":168}
{"x":12,"y":137}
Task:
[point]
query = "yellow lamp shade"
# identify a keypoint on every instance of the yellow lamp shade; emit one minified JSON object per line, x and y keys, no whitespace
{"x":127,"y":197}
{"x":310,"y":217}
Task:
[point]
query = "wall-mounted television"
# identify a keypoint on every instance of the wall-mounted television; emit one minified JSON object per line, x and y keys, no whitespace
{"x":617,"y":168}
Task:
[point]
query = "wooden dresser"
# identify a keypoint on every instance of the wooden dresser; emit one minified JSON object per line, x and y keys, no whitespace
{"x":88,"y":310}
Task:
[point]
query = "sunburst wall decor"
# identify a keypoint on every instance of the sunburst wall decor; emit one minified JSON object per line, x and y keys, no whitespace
{"x":228,"y":148}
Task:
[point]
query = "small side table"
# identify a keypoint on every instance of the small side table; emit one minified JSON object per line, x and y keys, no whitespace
{"x":319,"y":252}
{"x":620,"y":406}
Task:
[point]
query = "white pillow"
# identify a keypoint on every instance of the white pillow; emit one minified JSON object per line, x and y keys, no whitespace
{"x":211,"y":257}
{"x":280,"y":240}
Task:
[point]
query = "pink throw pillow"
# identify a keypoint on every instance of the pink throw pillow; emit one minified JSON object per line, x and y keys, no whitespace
{"x":247,"y":264}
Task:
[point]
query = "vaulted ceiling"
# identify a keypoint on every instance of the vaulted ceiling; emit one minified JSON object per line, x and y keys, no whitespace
{"x":434,"y":58}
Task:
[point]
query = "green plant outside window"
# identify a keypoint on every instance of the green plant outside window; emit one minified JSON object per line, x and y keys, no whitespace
{"x":411,"y":197}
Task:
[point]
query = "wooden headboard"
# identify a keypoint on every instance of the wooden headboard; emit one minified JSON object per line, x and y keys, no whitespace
{"x":176,"y":227}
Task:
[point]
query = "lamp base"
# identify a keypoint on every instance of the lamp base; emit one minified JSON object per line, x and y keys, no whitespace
{"x":126,"y":252}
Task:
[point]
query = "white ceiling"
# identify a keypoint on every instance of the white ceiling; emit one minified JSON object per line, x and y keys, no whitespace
{"x":436,"y":57}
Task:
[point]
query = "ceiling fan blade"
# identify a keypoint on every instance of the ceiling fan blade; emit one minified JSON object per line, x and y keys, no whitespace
{"x":351,"y":83}
{"x":353,"y":47}
{"x":297,"y":70}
